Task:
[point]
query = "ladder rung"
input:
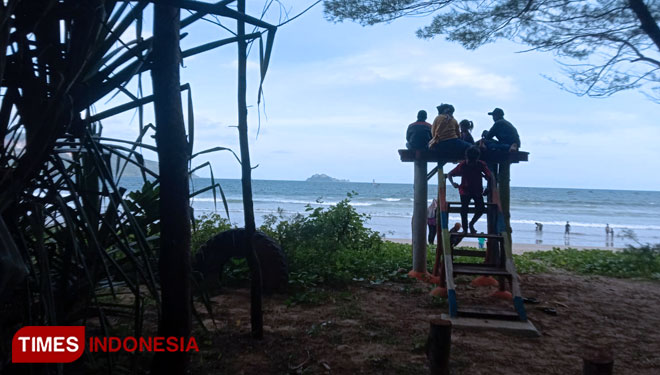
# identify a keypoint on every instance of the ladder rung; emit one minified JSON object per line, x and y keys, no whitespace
{"x":479,"y":269}
{"x":487,"y":314}
{"x":471,"y":204}
{"x":470,"y":253}
{"x":476,"y":235}
{"x":457,"y":210}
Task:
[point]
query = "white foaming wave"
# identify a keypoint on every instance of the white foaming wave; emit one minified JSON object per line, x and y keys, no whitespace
{"x":588,"y":225}
{"x":391,"y":199}
{"x":289,"y":201}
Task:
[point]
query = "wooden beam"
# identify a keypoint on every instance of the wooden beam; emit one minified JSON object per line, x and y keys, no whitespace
{"x":443,"y":157}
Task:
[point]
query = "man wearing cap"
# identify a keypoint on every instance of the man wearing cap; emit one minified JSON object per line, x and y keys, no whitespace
{"x":506,"y":133}
{"x":418,"y":134}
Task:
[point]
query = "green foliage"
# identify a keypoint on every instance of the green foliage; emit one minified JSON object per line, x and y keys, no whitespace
{"x":338,"y":227}
{"x":525,"y":265}
{"x":637,"y":262}
{"x":333,"y":246}
{"x":207,"y":226}
{"x":144,"y":204}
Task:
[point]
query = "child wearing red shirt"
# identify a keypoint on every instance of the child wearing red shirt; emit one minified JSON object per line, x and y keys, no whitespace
{"x":471,"y":170}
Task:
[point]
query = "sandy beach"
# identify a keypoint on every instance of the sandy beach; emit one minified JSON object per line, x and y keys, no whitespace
{"x":518,"y":248}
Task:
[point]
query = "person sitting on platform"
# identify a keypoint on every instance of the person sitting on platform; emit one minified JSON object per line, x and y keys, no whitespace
{"x":466,"y":128}
{"x":506,"y":133}
{"x":418,"y":134}
{"x":446,"y":136}
{"x":471,"y":170}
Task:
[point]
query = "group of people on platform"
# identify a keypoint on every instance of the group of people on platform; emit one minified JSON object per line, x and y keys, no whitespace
{"x":453,"y":138}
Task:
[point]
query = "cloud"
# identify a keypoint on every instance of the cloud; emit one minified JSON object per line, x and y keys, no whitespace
{"x":404,"y":64}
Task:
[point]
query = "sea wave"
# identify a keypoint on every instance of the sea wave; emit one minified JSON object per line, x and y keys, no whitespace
{"x":589,"y":225}
{"x":286,"y":201}
{"x":391,"y":199}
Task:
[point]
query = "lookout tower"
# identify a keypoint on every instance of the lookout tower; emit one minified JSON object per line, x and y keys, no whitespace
{"x":497,"y":263}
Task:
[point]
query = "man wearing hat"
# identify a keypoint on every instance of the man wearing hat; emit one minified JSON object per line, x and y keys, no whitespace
{"x":504,"y":131}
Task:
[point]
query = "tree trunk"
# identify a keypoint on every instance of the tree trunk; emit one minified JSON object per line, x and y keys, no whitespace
{"x":174,"y":261}
{"x":256,"y":315}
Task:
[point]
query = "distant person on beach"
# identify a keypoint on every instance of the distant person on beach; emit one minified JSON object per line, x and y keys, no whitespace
{"x":418,"y":134}
{"x":504,"y":131}
{"x":466,"y":127}
{"x":539,"y":227}
{"x":609,"y":231}
{"x":445,"y":132}
{"x":431,"y":220}
{"x":471,"y":171}
{"x":567,"y":229}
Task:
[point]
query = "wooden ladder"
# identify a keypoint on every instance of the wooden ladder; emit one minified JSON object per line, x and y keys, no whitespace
{"x":498,"y":260}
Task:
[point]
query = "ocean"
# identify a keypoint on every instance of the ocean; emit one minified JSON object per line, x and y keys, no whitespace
{"x":390,"y":206}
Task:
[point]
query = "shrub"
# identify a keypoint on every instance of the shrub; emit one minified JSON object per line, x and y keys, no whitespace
{"x":332,"y":245}
{"x":207,"y":226}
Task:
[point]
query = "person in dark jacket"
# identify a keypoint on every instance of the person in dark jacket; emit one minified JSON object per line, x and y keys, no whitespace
{"x":504,"y":131}
{"x":418,"y":134}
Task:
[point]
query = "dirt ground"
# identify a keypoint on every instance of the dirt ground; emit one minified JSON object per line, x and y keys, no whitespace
{"x":382,"y":329}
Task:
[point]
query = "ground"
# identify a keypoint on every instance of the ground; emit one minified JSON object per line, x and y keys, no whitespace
{"x":381,"y":329}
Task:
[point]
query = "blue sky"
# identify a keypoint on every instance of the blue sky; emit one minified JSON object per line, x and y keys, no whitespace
{"x":338,"y":99}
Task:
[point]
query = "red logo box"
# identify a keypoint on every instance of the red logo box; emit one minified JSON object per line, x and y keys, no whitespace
{"x":48,"y":344}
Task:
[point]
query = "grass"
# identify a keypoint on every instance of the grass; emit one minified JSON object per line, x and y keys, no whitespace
{"x":635,"y":262}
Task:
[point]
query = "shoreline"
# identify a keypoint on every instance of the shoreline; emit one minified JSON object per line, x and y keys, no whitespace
{"x":519,"y":248}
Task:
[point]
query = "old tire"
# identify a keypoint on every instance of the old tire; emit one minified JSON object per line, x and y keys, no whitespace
{"x":217,"y":251}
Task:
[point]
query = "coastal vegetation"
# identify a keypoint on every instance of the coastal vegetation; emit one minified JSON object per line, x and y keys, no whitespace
{"x":332,"y":247}
{"x":76,"y":248}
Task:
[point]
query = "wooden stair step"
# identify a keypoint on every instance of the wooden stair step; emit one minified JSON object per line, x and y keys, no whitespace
{"x":476,"y":235}
{"x":479,"y":269}
{"x":481,"y":313}
{"x":469,"y":253}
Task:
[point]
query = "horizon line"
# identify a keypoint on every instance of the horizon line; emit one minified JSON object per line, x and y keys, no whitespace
{"x":410,"y":183}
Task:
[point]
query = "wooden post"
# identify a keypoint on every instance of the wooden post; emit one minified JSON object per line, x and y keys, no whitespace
{"x":598,"y":361}
{"x":419,"y":217}
{"x":438,"y":347}
{"x":504,"y":186}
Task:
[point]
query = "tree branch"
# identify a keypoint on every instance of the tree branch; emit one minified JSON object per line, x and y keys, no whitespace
{"x":648,"y":23}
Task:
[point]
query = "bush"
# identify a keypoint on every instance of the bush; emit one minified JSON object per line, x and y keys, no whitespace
{"x":207,"y":226}
{"x":338,"y":227}
{"x":333,"y":246}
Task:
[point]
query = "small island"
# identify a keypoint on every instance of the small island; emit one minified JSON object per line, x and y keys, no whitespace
{"x":324,"y":178}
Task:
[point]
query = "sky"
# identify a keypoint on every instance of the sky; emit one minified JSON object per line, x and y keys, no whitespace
{"x":339,"y":97}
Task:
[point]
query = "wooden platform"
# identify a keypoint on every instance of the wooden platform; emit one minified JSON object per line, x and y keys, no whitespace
{"x":443,"y":157}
